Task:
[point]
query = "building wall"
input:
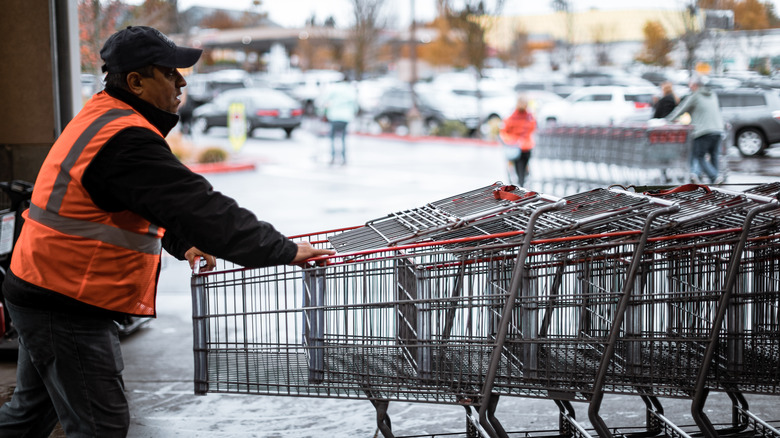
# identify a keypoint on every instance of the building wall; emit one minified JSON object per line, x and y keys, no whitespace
{"x":585,"y":27}
{"x":27,"y":109}
{"x":622,"y":32}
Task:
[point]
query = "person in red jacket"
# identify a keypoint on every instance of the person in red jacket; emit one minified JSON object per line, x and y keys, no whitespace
{"x":108,"y":198}
{"x":517,"y":135}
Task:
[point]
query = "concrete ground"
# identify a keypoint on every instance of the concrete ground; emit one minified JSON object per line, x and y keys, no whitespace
{"x":382,"y":176}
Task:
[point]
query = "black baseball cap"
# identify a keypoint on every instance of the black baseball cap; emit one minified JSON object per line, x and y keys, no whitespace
{"x":139,"y":46}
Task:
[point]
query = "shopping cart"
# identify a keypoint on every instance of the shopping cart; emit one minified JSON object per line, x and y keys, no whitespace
{"x":584,"y":157}
{"x":14,"y":199}
{"x":504,"y":292}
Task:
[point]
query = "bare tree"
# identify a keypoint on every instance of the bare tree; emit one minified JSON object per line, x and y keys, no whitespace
{"x":520,"y":52}
{"x":160,"y":14}
{"x":472,"y":21}
{"x":718,"y":42}
{"x":692,"y":35}
{"x":320,"y":45}
{"x":601,"y":36}
{"x":567,"y":46}
{"x":366,"y":30}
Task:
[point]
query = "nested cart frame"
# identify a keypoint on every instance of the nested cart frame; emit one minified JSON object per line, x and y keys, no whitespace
{"x":505,"y":292}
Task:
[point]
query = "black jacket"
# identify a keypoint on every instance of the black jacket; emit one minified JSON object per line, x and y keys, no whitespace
{"x":137,"y":171}
{"x":664,"y":106}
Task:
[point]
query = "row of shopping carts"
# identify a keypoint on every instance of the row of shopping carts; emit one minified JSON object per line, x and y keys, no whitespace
{"x":504,"y":292}
{"x":579,"y":158}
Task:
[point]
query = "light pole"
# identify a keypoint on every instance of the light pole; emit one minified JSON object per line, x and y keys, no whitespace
{"x":413,"y":116}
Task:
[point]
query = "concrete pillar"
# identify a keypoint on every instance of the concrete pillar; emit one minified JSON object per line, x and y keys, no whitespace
{"x":36,"y":81}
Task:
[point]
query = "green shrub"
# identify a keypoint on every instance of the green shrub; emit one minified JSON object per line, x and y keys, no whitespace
{"x":212,"y":155}
{"x":450,"y":128}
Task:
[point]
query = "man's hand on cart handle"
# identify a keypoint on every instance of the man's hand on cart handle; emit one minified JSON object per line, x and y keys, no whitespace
{"x":306,"y":251}
{"x":193,"y":255}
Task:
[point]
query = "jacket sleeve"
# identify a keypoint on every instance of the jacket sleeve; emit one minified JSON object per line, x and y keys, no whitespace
{"x":684,"y":107}
{"x":137,"y":171}
{"x":174,"y":245}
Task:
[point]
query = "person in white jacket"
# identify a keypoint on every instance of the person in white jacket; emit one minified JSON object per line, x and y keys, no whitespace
{"x":702,"y":105}
{"x":340,"y":107}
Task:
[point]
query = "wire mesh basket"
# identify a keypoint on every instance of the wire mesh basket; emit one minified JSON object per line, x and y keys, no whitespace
{"x":505,"y":292}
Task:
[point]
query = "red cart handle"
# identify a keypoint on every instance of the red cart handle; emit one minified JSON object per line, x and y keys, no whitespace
{"x":682,"y":188}
{"x":505,"y":193}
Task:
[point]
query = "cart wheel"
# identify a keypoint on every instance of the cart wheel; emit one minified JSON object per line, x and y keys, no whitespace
{"x":471,"y":430}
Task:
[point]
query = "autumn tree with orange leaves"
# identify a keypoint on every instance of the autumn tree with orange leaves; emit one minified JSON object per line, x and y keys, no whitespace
{"x":748,"y":14}
{"x":751,"y":15}
{"x":447,"y":49}
{"x":657,"y":45}
{"x":97,"y":21}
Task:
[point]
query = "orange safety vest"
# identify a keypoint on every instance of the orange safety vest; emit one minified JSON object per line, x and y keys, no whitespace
{"x":68,"y":244}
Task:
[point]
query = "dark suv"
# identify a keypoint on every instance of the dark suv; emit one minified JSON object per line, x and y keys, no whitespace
{"x":754,"y":116}
{"x":395,"y":105}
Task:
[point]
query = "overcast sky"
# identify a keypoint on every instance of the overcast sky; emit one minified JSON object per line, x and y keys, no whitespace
{"x":294,"y":13}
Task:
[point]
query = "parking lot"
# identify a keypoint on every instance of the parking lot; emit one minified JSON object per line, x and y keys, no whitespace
{"x":294,"y":187}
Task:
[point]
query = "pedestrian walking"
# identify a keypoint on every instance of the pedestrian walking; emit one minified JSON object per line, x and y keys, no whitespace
{"x":517,"y":136}
{"x":108,"y":197}
{"x":666,"y":103}
{"x":702,"y":105}
{"x":340,"y":106}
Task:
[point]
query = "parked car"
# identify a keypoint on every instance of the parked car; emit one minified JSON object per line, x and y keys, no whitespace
{"x":203,"y":87}
{"x":656,"y":77}
{"x":763,"y":82}
{"x":435,"y":108}
{"x":590,"y":78}
{"x":754,"y":116}
{"x":90,"y":84}
{"x":265,"y":108}
{"x":600,"y":105}
{"x":496,"y":99}
{"x":722,"y":82}
{"x":307,"y":86}
{"x":370,"y":92}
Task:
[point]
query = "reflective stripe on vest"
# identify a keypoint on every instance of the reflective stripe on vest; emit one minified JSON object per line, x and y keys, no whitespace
{"x":63,"y":179}
{"x":148,"y":244}
{"x":92,"y":230}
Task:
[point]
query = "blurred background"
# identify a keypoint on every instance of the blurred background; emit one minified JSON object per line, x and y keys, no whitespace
{"x":456,"y":65}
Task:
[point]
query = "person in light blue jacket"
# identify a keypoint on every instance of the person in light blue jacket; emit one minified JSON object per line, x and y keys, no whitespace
{"x":340,"y":107}
{"x":702,"y":105}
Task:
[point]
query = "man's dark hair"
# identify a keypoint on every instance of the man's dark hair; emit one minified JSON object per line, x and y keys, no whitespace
{"x":119,"y":80}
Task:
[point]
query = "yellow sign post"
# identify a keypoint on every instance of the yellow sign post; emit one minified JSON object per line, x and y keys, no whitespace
{"x":237,"y":125}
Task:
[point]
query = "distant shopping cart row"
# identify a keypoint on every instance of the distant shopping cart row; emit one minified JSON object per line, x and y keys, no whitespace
{"x":573,"y":158}
{"x":504,"y":292}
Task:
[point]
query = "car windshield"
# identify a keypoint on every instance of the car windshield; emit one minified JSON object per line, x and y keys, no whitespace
{"x":271,"y":98}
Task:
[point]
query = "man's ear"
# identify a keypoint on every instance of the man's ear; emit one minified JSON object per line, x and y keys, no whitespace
{"x":134,"y":80}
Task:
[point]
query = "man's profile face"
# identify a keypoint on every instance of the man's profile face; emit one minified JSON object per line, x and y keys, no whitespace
{"x":163,"y":89}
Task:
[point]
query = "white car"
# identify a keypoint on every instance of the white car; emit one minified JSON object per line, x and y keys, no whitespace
{"x":600,"y":105}
{"x":497,"y":99}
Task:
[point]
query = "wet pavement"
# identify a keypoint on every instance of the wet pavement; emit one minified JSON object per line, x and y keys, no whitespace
{"x":295,"y":188}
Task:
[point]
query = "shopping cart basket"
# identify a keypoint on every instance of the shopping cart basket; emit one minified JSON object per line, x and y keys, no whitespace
{"x":521,"y":295}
